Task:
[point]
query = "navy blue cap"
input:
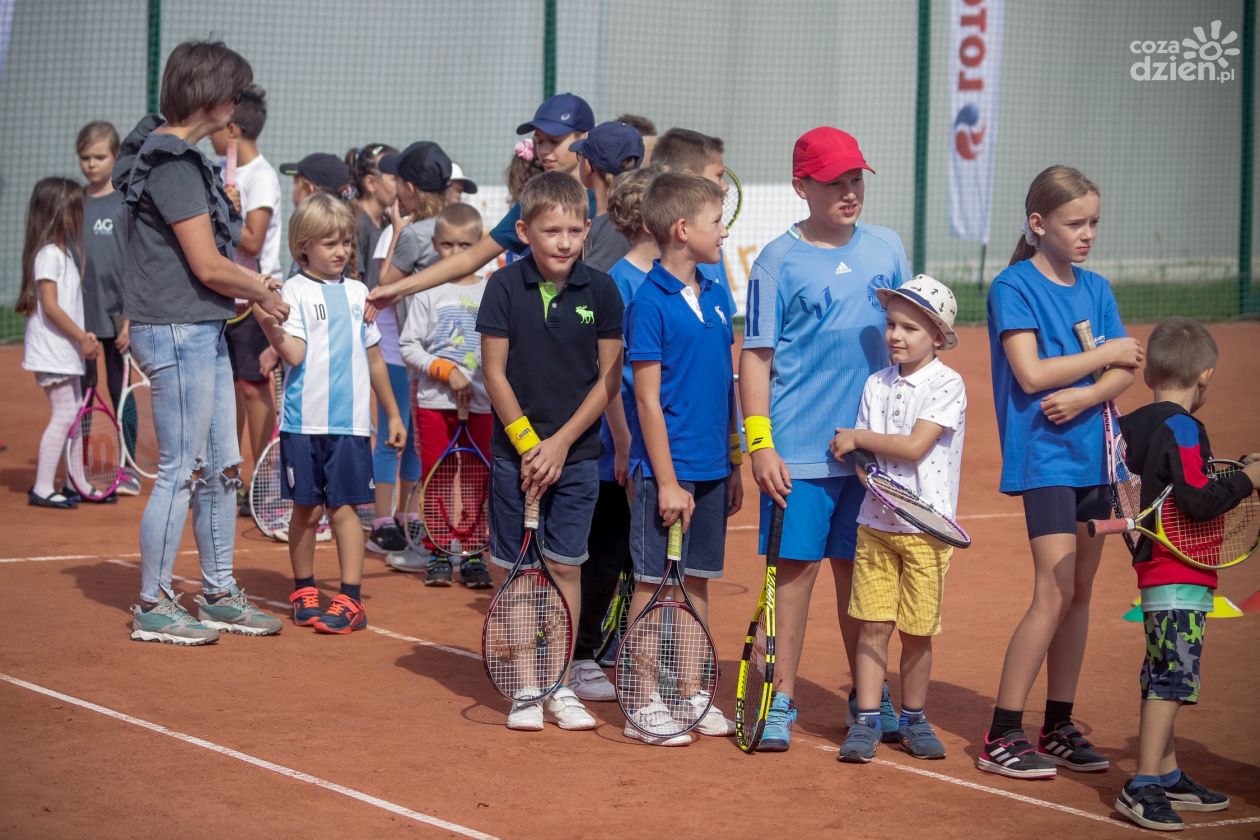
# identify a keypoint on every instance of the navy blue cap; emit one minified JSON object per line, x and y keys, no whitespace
{"x":608,"y":144}
{"x":562,"y":114}
{"x":328,"y":172}
{"x":422,"y":164}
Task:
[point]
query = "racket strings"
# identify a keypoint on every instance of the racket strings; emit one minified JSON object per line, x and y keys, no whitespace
{"x":271,"y":512}
{"x":1219,"y":541}
{"x":527,"y":637}
{"x":139,"y":435}
{"x":732,"y":200}
{"x":456,"y":503}
{"x":666,"y":670}
{"x":909,"y":505}
{"x":754,"y":673}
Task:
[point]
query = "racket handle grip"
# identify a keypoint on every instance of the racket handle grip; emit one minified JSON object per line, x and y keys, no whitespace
{"x":1102,"y":527}
{"x":673,"y":548}
{"x":1085,"y":338}
{"x":862,"y":459}
{"x":531,"y":514}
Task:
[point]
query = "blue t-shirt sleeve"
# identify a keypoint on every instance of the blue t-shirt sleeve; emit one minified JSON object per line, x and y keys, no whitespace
{"x":1113,"y":327}
{"x":761,"y":319}
{"x":1010,"y":309}
{"x":645,"y":331}
{"x":504,"y":232}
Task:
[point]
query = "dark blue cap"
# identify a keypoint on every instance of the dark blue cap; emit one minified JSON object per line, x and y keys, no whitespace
{"x":423,"y":164}
{"x":562,"y":114}
{"x":328,"y":172}
{"x":608,"y":144}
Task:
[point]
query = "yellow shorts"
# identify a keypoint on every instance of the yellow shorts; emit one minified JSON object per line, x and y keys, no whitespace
{"x":899,"y":577}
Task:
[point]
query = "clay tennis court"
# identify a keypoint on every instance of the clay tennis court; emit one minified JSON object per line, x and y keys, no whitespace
{"x":397,"y":732}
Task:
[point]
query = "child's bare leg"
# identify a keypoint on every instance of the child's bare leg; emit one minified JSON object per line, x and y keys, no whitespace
{"x":1157,"y":755}
{"x":850,"y":627}
{"x":872,"y":661}
{"x":795,"y":585}
{"x":348,"y":531}
{"x":916,"y":670}
{"x":302,"y":524}
{"x":1067,"y":649}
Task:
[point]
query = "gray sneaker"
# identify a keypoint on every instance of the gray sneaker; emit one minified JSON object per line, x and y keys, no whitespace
{"x":170,"y":623}
{"x":234,"y":613}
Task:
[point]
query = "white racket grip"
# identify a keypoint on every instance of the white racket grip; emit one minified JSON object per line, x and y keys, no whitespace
{"x":1103,"y":527}
{"x":229,"y":164}
{"x":531,"y":514}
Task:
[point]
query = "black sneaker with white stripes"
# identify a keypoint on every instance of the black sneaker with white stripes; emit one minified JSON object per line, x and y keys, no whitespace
{"x":1015,"y":756}
{"x":1189,"y":795}
{"x":1148,"y":806}
{"x":1067,"y":747}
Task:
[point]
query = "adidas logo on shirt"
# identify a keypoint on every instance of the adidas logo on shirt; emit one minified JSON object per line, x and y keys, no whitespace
{"x":843,"y":268}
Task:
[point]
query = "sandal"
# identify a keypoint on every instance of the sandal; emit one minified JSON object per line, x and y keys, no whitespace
{"x":52,"y":500}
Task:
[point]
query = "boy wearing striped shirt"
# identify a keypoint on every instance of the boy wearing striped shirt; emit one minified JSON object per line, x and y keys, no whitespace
{"x":330,"y":358}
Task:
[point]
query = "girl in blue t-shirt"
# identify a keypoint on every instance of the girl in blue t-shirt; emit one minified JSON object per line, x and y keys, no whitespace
{"x":1051,"y":431}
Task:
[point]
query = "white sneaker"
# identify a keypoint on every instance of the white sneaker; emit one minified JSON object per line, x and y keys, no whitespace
{"x":714,"y":722}
{"x":588,"y":682}
{"x":323,"y":531}
{"x":563,"y":705}
{"x":655,"y":716}
{"x":408,"y":561}
{"x":526,"y":715}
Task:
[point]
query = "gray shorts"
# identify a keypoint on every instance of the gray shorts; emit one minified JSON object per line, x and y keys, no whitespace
{"x":564,"y":524}
{"x":704,"y":543}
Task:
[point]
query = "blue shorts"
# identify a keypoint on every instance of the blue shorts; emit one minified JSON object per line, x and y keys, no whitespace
{"x":331,"y":470}
{"x":564,"y":523}
{"x":704,"y":543}
{"x":1057,"y":510}
{"x":820,"y":520}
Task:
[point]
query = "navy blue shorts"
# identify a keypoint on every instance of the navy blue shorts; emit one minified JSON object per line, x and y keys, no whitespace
{"x":704,"y":543}
{"x":564,"y":522}
{"x":331,"y":470}
{"x":1057,"y":510}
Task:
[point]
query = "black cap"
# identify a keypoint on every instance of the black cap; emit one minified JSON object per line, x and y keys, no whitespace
{"x":328,"y":172}
{"x":422,"y":164}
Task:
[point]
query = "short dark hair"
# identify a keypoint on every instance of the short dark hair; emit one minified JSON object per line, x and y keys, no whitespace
{"x":676,"y":195}
{"x":201,"y":74}
{"x":640,"y":124}
{"x":1178,"y":352}
{"x":459,"y":215}
{"x":552,"y":191}
{"x":251,"y":112}
{"x":684,"y":150}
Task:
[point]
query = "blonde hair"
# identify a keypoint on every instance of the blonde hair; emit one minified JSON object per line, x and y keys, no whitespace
{"x":625,"y":200}
{"x":673,"y":196}
{"x":96,"y":131}
{"x":553,"y":191}
{"x":1053,"y":187}
{"x":318,"y":216}
{"x":1178,"y":352}
{"x":424,"y":204}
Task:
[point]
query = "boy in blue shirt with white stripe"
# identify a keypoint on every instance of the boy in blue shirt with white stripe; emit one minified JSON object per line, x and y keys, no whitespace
{"x":813,"y":335}
{"x":678,"y":335}
{"x":330,"y":358}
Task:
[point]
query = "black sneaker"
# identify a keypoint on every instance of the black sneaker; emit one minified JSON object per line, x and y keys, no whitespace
{"x":1014,"y":755}
{"x":474,"y":574}
{"x":243,"y":507}
{"x":1189,"y":795}
{"x":1148,"y":806}
{"x":1066,"y":746}
{"x":387,"y":539}
{"x":438,"y":573}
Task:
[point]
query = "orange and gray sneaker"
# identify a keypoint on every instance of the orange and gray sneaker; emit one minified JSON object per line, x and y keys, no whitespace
{"x":306,"y":608}
{"x":344,"y":615}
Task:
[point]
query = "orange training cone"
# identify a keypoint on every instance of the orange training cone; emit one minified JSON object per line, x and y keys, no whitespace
{"x":1252,"y":604}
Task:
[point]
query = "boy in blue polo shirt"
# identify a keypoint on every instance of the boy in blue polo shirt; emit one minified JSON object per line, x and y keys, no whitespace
{"x":551,"y":358}
{"x":679,"y":340}
{"x":815,"y":330}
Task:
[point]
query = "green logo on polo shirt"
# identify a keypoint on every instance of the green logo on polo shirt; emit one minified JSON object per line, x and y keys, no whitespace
{"x":587,"y":316}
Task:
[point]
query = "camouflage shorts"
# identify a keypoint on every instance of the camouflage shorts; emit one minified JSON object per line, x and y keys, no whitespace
{"x":1174,"y":643}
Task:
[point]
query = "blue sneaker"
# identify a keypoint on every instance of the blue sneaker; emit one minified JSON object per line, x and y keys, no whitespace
{"x":777,"y":734}
{"x":919,"y":739}
{"x":889,"y":723}
{"x":860,"y":744}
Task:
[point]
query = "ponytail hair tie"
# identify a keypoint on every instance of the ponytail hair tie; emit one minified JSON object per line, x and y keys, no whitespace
{"x":524,"y":149}
{"x":1029,"y":236}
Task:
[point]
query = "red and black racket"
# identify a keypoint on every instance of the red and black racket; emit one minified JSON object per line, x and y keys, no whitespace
{"x":453,"y":501}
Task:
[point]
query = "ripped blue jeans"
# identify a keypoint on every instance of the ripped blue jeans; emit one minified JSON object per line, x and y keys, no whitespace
{"x":194,"y":415}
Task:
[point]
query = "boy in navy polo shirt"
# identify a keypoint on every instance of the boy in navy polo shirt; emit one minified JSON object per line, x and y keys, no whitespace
{"x":679,"y":341}
{"x":551,"y":357}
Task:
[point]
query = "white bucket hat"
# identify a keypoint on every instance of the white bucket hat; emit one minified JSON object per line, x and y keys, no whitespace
{"x":934,"y":298}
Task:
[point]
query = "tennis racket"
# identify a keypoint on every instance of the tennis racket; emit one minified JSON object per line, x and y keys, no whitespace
{"x":907,"y":505}
{"x":1125,"y":487}
{"x":1216,"y":543}
{"x":734,"y":200}
{"x":667,"y":666}
{"x":613,"y":627}
{"x":453,"y":499}
{"x":135,"y":416}
{"x":527,"y":639}
{"x":755,"y":689}
{"x":94,"y":457}
{"x":271,"y":512}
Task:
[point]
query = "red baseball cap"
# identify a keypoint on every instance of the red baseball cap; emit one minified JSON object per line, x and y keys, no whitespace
{"x":826,"y":153}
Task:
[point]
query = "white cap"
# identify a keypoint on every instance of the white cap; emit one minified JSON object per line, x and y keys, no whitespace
{"x":457,"y":174}
{"x":934,"y":298}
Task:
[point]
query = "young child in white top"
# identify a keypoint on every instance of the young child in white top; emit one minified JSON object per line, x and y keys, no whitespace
{"x":56,"y":343}
{"x":911,"y":419}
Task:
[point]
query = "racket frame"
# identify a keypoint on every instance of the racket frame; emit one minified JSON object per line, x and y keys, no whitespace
{"x":875,"y":477}
{"x":453,"y":448}
{"x":750,"y":727}
{"x":132,"y":387}
{"x":93,"y":403}
{"x":732,"y":184}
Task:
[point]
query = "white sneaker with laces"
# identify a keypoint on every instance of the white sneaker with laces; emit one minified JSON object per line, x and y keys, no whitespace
{"x":655,"y":716}
{"x":526,"y":715}
{"x":589,"y":683}
{"x":715,"y":723}
{"x":568,"y":711}
{"x":409,"y":560}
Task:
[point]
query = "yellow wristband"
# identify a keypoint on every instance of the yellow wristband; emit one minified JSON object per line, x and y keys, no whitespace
{"x":737,"y":449}
{"x":522,"y":435}
{"x":758,"y":430}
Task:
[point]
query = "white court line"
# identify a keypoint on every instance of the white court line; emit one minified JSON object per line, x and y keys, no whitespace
{"x":1218,"y":823}
{"x":288,"y":772}
{"x":48,"y":558}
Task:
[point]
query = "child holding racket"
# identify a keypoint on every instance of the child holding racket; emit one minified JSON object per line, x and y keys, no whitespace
{"x":1168,"y":446}
{"x":911,"y":419}
{"x":55,"y":342}
{"x":551,"y":344}
{"x":442,"y":349}
{"x":811,"y":298}
{"x":332,"y":365}
{"x":679,"y":337}
{"x":1051,"y":430}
